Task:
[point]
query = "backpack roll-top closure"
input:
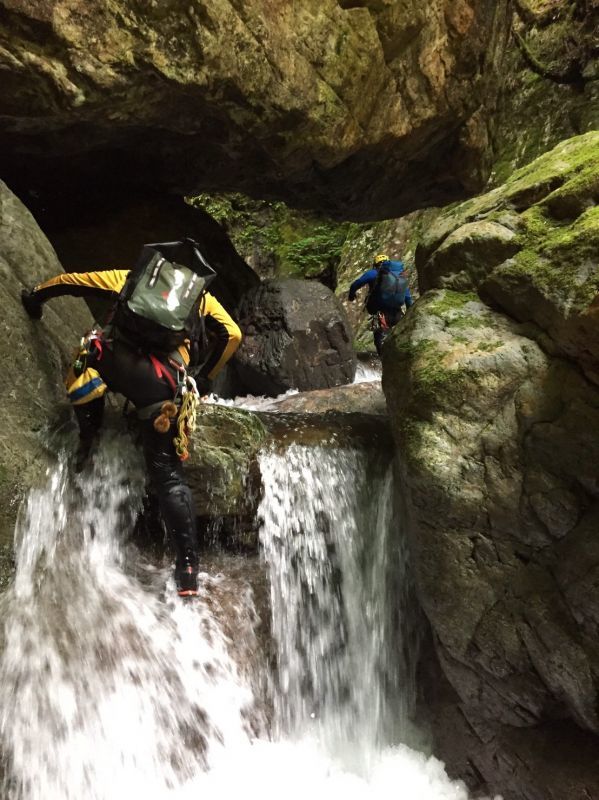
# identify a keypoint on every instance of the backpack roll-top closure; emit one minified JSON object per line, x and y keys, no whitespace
{"x":161,"y":299}
{"x":166,"y":295}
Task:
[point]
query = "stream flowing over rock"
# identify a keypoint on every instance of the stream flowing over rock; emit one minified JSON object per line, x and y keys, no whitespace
{"x":381,"y":572}
{"x":304,"y":100}
{"x":496,"y":414}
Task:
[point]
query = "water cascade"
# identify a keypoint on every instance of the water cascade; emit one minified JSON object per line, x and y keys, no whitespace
{"x":334,"y":575}
{"x":110,"y":687}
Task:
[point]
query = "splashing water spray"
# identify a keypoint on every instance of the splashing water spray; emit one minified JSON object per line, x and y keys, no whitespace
{"x":111,"y":687}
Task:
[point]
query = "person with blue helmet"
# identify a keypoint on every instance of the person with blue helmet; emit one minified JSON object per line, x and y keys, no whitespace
{"x":388,"y":293}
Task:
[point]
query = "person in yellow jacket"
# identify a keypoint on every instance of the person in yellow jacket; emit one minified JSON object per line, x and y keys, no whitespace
{"x":147,"y":380}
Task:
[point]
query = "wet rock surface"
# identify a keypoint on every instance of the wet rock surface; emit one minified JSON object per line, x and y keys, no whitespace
{"x":223,"y":474}
{"x":529,"y":247}
{"x":361,"y":398}
{"x":33,"y":354}
{"x":223,"y":471}
{"x":296,"y":336}
{"x":498,"y":428}
{"x":306,"y":103}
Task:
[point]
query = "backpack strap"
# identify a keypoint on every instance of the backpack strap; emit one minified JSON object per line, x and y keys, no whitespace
{"x":162,"y":373}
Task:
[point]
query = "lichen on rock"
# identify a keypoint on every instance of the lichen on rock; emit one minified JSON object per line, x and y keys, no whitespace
{"x":495,"y":410}
{"x":530,"y":247}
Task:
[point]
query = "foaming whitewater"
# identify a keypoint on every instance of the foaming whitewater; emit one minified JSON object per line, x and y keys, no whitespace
{"x":345,"y":638}
{"x":107,"y":690}
{"x":367,"y":372}
{"x":113,"y":688}
{"x":251,"y":402}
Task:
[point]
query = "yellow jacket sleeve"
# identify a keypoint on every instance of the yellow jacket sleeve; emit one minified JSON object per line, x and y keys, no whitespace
{"x":81,"y":284}
{"x":226,"y":332}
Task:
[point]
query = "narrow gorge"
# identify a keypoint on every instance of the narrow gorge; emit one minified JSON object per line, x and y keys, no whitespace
{"x":399,"y":586}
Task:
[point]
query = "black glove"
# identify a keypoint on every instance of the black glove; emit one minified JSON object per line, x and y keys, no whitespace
{"x":204,"y":385}
{"x":351,"y":297}
{"x":31,"y":304}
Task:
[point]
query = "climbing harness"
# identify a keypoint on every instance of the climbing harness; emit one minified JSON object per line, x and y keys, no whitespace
{"x":185,"y":390}
{"x":378,"y":322}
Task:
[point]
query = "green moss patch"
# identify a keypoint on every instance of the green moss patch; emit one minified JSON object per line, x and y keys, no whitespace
{"x":226,"y":442}
{"x":277,"y":240}
{"x":433,"y":384}
{"x":559,"y":259}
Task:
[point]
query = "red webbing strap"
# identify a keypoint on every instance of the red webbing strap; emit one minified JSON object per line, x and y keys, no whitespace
{"x":162,"y":372}
{"x":97,"y":343}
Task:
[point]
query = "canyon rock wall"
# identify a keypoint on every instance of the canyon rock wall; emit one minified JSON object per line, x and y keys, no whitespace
{"x":307,"y":101}
{"x":495,"y":408}
{"x":33,"y":354}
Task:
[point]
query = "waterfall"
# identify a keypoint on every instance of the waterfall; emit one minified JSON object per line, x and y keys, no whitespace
{"x":344,"y":627}
{"x":336,"y":574}
{"x":111,"y":687}
{"x":108,"y":690}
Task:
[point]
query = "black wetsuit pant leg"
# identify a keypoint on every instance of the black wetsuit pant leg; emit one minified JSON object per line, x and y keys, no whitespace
{"x":132,"y":374}
{"x":165,"y":472}
{"x":89,"y":418}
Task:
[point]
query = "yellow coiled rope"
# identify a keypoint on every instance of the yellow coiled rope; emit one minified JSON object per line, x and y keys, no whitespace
{"x":186,"y":421}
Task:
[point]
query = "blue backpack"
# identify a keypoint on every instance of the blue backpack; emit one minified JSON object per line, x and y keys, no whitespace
{"x":390,"y":287}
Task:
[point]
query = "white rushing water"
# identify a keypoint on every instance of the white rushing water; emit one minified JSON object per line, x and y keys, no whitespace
{"x":368,"y":371}
{"x":113,"y":688}
{"x":251,"y":402}
{"x":365,"y":373}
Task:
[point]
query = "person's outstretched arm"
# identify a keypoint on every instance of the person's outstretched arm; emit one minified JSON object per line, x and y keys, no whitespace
{"x":226,"y":333}
{"x":367,"y":278}
{"x":75,"y":284}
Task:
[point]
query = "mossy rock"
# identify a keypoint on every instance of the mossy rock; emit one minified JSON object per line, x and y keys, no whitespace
{"x":530,"y":247}
{"x":469,"y":254}
{"x":572,"y":162}
{"x":220,"y":468}
{"x":278,"y":241}
{"x":450,"y":355}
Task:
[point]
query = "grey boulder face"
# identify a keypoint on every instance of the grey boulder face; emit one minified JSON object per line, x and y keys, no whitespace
{"x":296,"y":336}
{"x":496,"y":416}
{"x":33,"y":355}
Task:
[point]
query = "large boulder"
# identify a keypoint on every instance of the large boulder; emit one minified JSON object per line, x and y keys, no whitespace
{"x":496,"y":416}
{"x":33,"y":354}
{"x":530,"y":247}
{"x":296,"y":336}
{"x":307,"y":103}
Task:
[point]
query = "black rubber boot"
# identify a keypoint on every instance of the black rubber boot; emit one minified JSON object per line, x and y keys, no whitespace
{"x":186,"y":577}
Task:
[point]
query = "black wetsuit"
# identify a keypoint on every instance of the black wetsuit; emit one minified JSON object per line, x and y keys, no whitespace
{"x":130,"y":371}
